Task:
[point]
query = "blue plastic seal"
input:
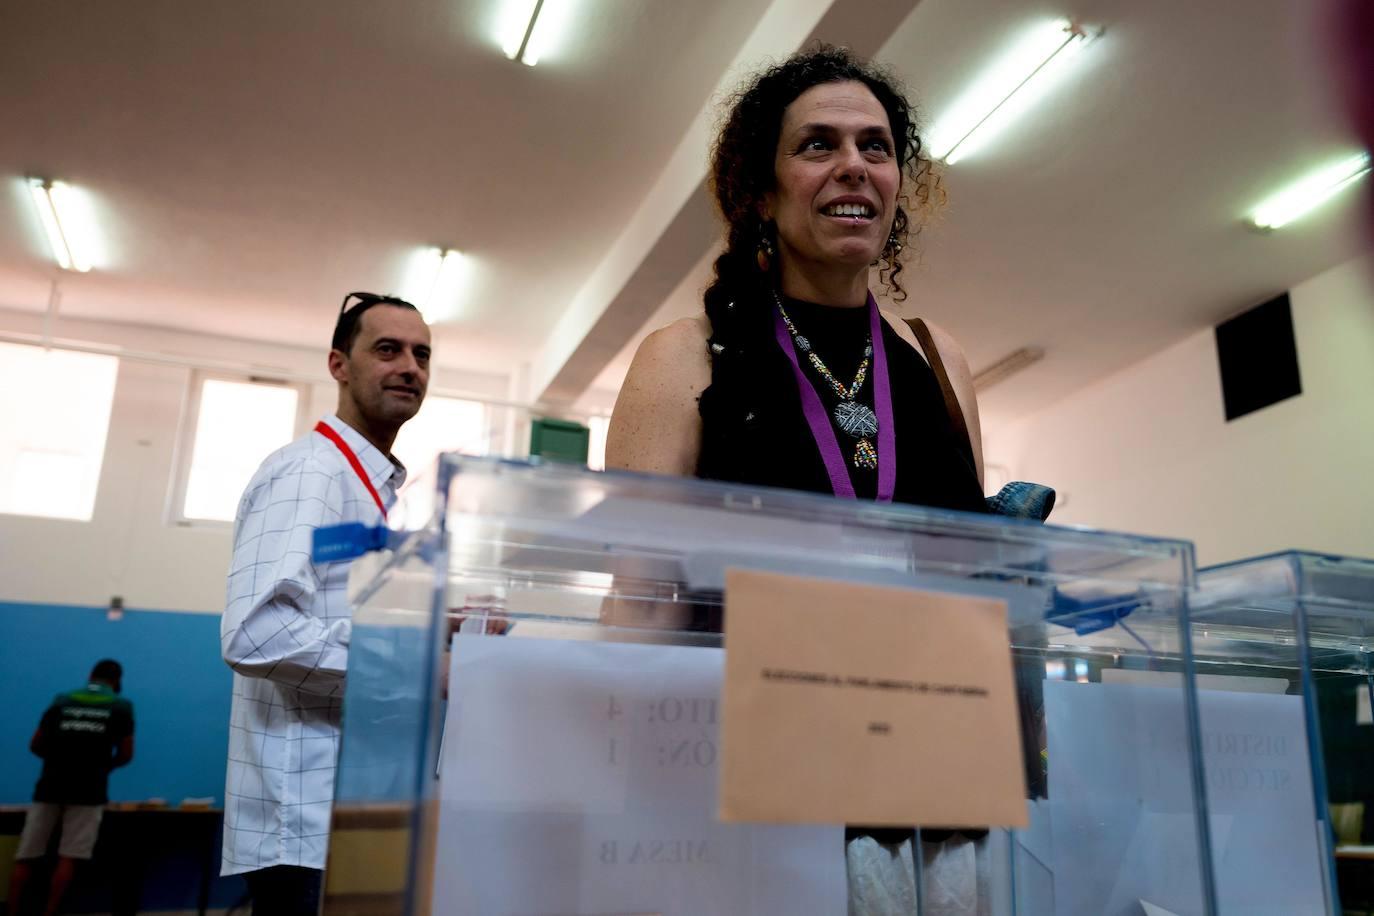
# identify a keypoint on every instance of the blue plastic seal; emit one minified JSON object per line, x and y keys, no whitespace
{"x":1092,"y":614}
{"x":346,"y":542}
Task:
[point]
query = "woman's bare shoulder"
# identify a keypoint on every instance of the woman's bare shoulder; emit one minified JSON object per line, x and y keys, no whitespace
{"x":960,"y":377}
{"x":656,"y":426}
{"x":903,"y":329}
{"x":950,"y":351}
{"x":693,"y":329}
{"x":675,"y":352}
{"x":946,"y":342}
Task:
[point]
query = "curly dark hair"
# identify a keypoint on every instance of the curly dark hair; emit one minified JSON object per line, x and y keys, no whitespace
{"x":742,"y":170}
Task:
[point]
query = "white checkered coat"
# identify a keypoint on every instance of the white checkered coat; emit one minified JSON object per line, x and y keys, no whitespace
{"x":285,"y":633}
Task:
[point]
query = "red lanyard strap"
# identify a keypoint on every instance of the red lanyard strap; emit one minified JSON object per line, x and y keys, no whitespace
{"x":324,"y":429}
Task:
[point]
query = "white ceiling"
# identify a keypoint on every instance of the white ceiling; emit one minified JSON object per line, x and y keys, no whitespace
{"x":253,"y":161}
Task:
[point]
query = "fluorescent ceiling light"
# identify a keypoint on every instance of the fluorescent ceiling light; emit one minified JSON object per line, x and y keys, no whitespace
{"x":61,"y":222}
{"x":1006,"y":367}
{"x":1007,"y":89}
{"x":530,"y":29}
{"x":433,"y":280}
{"x":445,"y":289}
{"x":1309,"y":192}
{"x":517,"y":19}
{"x":547,"y":31}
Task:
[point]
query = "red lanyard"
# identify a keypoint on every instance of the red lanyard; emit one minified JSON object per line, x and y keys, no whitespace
{"x":324,"y":429}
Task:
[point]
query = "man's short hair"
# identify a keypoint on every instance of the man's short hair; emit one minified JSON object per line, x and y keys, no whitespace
{"x":107,"y":669}
{"x":346,"y":329}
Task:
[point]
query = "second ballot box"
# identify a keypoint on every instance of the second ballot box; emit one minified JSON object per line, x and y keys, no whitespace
{"x":1283,"y":652}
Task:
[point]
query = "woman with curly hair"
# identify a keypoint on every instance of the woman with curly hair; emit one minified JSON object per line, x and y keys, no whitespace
{"x":793,"y":377}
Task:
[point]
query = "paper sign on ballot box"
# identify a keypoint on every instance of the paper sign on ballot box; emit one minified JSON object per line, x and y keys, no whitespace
{"x":854,"y":704}
{"x":580,"y":777}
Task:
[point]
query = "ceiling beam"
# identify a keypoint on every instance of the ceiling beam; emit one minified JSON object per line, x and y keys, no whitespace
{"x":676,"y":225}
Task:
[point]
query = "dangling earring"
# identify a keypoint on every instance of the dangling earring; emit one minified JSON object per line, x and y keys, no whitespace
{"x":890,"y":250}
{"x":894,"y":245}
{"x":765,"y":252}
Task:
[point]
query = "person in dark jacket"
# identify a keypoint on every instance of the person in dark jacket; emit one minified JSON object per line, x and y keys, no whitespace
{"x":83,"y":735}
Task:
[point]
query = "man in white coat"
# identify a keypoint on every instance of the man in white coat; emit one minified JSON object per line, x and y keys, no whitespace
{"x":287,"y":622}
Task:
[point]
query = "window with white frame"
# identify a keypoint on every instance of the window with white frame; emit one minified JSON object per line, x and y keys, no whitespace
{"x":236,"y":423}
{"x":596,"y":447}
{"x":54,"y":419}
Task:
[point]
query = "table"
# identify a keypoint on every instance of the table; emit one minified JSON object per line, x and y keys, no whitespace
{"x":132,"y":838}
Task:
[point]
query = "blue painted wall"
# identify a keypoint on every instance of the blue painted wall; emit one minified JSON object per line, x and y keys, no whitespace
{"x":173,"y":673}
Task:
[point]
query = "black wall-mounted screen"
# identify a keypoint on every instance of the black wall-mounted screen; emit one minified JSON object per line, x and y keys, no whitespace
{"x":1258,"y":357}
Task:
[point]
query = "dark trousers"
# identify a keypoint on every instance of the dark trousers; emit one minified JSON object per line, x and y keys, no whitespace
{"x":285,"y":890}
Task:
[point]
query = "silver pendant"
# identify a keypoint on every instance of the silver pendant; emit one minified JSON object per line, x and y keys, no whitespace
{"x":856,"y":419}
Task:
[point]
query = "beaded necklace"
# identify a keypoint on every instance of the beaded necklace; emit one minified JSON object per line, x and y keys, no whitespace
{"x":854,"y":418}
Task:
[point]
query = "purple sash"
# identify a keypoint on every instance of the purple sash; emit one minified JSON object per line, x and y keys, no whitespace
{"x":819,"y":419}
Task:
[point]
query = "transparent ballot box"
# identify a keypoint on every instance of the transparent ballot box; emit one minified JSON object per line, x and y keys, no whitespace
{"x":542,"y":716}
{"x":1283,"y":648}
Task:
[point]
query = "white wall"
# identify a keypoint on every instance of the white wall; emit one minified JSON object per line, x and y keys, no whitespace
{"x":131,"y":547}
{"x":1149,"y":449}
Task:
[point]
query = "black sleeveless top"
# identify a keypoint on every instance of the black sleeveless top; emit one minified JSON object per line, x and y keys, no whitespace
{"x":754,"y":430}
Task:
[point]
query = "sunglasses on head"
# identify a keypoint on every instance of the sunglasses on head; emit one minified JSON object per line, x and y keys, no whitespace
{"x":370,"y":299}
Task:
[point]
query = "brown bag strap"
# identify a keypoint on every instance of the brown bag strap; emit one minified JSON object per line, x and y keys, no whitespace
{"x":956,"y":413}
